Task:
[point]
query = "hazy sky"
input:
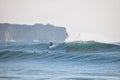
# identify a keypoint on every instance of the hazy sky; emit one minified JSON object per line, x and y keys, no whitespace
{"x":84,"y":19}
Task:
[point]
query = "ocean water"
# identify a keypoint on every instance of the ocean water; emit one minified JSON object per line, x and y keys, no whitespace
{"x":66,"y":61}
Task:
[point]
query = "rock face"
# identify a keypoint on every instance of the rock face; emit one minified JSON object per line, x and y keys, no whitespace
{"x":36,"y":32}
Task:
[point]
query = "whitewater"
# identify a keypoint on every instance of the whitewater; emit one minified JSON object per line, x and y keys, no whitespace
{"x":78,"y":60}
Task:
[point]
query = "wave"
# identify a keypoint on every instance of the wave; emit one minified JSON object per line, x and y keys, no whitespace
{"x":68,"y":51}
{"x":77,"y":46}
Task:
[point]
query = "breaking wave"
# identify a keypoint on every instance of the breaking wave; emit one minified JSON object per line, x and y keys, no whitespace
{"x":73,"y":51}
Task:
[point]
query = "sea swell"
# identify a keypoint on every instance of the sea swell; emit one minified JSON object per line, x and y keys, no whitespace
{"x":112,"y":57}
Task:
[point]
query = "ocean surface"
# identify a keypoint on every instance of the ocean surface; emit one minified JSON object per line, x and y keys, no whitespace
{"x":65,"y":61}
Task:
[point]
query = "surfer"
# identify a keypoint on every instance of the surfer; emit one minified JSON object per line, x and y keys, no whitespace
{"x":51,"y":43}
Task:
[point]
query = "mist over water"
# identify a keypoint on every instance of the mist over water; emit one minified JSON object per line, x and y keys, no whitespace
{"x":67,"y":61}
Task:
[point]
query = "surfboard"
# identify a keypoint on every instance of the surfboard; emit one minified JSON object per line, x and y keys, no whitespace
{"x":53,"y":46}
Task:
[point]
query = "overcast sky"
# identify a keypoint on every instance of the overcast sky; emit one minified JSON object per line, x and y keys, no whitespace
{"x":84,"y":19}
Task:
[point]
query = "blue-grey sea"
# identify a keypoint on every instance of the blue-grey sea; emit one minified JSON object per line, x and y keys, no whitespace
{"x":78,"y":60}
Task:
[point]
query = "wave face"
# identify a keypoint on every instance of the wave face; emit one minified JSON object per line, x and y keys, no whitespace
{"x":78,"y":51}
{"x":91,"y":46}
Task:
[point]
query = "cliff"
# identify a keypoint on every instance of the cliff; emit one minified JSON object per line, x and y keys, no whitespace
{"x":36,"y":32}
